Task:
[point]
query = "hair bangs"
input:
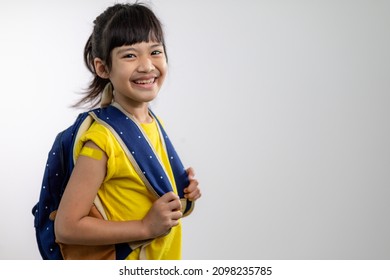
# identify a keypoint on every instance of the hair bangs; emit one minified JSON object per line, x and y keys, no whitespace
{"x":130,"y":27}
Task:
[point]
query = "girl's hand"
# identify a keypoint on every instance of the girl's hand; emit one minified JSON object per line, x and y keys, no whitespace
{"x":192,"y":192}
{"x":164,"y":214}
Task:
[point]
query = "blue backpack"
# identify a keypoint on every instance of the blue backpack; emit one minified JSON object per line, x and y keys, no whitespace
{"x":61,"y":161}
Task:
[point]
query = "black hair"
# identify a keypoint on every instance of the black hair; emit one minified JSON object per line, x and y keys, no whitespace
{"x":118,"y":25}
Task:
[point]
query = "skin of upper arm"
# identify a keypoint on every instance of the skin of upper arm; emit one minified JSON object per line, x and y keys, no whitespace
{"x":84,"y":183}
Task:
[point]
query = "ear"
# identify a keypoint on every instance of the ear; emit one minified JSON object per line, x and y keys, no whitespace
{"x":100,"y":68}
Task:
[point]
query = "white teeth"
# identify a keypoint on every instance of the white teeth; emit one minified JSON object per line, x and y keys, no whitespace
{"x":145,"y":82}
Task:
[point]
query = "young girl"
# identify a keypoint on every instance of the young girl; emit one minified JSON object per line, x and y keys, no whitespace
{"x":127,"y":56}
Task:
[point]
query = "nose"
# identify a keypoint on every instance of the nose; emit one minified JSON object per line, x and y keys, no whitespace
{"x":145,"y":65}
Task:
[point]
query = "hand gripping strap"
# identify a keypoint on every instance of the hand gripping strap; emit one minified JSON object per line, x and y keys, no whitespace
{"x":142,"y":155}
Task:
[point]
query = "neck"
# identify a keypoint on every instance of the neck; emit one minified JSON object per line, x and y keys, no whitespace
{"x":140,"y":112}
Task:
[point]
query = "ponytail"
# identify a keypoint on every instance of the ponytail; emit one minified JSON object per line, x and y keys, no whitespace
{"x":92,"y":94}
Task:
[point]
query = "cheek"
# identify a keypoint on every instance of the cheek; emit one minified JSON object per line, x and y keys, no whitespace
{"x":163,"y":72}
{"x":161,"y":80}
{"x":119,"y":74}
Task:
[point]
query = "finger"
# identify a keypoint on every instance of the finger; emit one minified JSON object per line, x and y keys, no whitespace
{"x":175,"y":205}
{"x":193,"y":195}
{"x":190,"y":172}
{"x":192,"y":191}
{"x":192,"y":186}
{"x":176,"y":215}
{"x":170,"y":196}
{"x":175,"y":223}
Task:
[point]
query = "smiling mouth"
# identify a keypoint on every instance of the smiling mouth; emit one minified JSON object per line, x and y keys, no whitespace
{"x":145,"y":82}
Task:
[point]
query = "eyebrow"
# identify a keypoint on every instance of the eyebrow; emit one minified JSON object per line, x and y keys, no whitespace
{"x":130,"y":48}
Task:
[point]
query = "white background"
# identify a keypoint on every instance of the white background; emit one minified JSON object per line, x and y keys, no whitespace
{"x":282,"y":108}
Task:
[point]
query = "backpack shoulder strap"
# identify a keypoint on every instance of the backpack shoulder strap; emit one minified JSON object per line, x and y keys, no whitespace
{"x":180,"y":174}
{"x":141,"y":153}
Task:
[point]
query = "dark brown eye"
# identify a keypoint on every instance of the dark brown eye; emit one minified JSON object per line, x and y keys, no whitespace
{"x":129,"y":55}
{"x":156,"y":52}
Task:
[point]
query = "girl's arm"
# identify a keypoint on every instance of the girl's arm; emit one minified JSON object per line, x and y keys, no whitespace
{"x":74,"y":226}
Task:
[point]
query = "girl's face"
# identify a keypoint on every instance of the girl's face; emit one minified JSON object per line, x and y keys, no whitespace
{"x":138,"y":72}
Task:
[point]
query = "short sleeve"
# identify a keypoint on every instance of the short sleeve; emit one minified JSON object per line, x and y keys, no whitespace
{"x":100,"y":135}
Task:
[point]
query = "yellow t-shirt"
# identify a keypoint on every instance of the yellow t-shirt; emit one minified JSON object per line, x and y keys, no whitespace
{"x":123,"y":194}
